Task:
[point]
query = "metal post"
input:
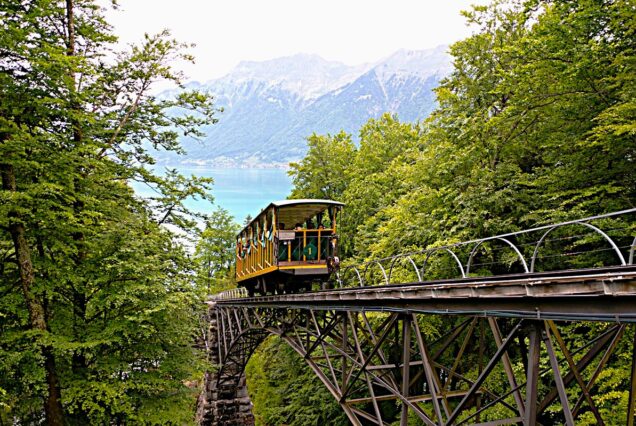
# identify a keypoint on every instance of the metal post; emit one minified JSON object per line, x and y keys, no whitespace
{"x":558,"y":379}
{"x":631,"y":407}
{"x":507,"y":366}
{"x":530,"y":418}
{"x":406,"y":360}
{"x":319,"y":238}
{"x":374,"y":401}
{"x":218,"y":335}
{"x":575,"y":371}
{"x":431,"y":377}
{"x":344,"y":386}
{"x":482,"y":335}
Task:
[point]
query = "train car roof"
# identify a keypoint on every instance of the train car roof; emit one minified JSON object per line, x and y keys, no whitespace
{"x":291,"y":212}
{"x":285,"y":203}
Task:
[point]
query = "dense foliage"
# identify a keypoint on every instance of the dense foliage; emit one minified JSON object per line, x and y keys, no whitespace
{"x":97,"y":300}
{"x":215,"y":253}
{"x":285,"y":392}
{"x":536,"y":124}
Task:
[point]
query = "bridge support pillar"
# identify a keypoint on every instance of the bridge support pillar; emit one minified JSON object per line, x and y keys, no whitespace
{"x":224,"y":405}
{"x":222,"y":402}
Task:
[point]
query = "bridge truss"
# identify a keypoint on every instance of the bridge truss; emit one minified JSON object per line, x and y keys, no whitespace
{"x":529,"y":348}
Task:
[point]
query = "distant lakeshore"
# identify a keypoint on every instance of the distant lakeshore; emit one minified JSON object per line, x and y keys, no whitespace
{"x":240,"y":190}
{"x":226,"y":163}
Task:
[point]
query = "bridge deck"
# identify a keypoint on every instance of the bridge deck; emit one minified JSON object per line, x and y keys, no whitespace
{"x":607,"y":294}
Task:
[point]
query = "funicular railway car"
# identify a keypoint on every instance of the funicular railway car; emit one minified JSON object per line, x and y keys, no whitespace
{"x":289,"y":245}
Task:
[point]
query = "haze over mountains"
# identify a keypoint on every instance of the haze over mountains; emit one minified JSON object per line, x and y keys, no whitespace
{"x":270,"y":107}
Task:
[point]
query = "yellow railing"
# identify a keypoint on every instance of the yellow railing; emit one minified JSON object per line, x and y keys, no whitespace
{"x":301,"y":239}
{"x":262,"y":257}
{"x":259,"y":258}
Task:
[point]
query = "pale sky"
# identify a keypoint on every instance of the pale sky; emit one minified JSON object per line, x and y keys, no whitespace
{"x":349,"y":31}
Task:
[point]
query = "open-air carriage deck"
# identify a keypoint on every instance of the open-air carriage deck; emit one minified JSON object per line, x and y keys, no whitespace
{"x":286,"y":239}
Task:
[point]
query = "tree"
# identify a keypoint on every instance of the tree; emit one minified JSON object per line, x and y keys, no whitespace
{"x":321,"y":174}
{"x":97,"y":306}
{"x":520,"y":136}
{"x":215,"y":252}
{"x":376,"y":177}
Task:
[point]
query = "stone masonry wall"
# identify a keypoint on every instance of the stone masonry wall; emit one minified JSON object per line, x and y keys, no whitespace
{"x":227,"y":404}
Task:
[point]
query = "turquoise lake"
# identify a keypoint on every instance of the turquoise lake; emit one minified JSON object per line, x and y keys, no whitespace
{"x":240,"y":191}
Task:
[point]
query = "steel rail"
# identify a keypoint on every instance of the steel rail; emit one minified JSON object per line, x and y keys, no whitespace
{"x":594,"y":295}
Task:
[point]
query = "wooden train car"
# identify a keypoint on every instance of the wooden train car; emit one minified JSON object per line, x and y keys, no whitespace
{"x":289,"y":245}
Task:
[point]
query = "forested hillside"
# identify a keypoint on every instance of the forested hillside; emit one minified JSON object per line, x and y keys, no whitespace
{"x":536,"y":124}
{"x":98,"y":308}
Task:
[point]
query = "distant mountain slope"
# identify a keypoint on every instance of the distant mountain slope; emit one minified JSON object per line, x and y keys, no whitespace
{"x":270,"y":107}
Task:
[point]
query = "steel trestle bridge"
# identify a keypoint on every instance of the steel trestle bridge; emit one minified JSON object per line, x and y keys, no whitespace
{"x":397,"y":342}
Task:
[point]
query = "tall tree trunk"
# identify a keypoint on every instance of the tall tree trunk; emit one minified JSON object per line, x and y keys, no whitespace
{"x":78,"y":360}
{"x":53,"y":404}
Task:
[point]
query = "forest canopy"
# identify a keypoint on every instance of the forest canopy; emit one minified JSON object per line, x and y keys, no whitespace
{"x":98,"y":307}
{"x":536,"y":124}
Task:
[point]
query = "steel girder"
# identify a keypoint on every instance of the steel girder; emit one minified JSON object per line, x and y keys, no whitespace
{"x":602,"y":294}
{"x":384,"y":367}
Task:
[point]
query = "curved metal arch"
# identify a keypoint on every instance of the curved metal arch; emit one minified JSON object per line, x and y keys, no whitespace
{"x":410,"y":259}
{"x":433,"y":250}
{"x":339,"y":280}
{"x":344,"y":275}
{"x":505,"y":240}
{"x":360,"y":278}
{"x":386,"y":278}
{"x":592,"y":227}
{"x":631,"y":252}
{"x":260,"y":333}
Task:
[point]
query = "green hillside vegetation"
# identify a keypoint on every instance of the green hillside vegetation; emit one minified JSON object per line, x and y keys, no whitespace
{"x":536,"y":124}
{"x":98,"y":306}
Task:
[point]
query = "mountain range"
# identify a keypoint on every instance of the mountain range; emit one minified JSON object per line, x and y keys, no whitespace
{"x":270,"y":107}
